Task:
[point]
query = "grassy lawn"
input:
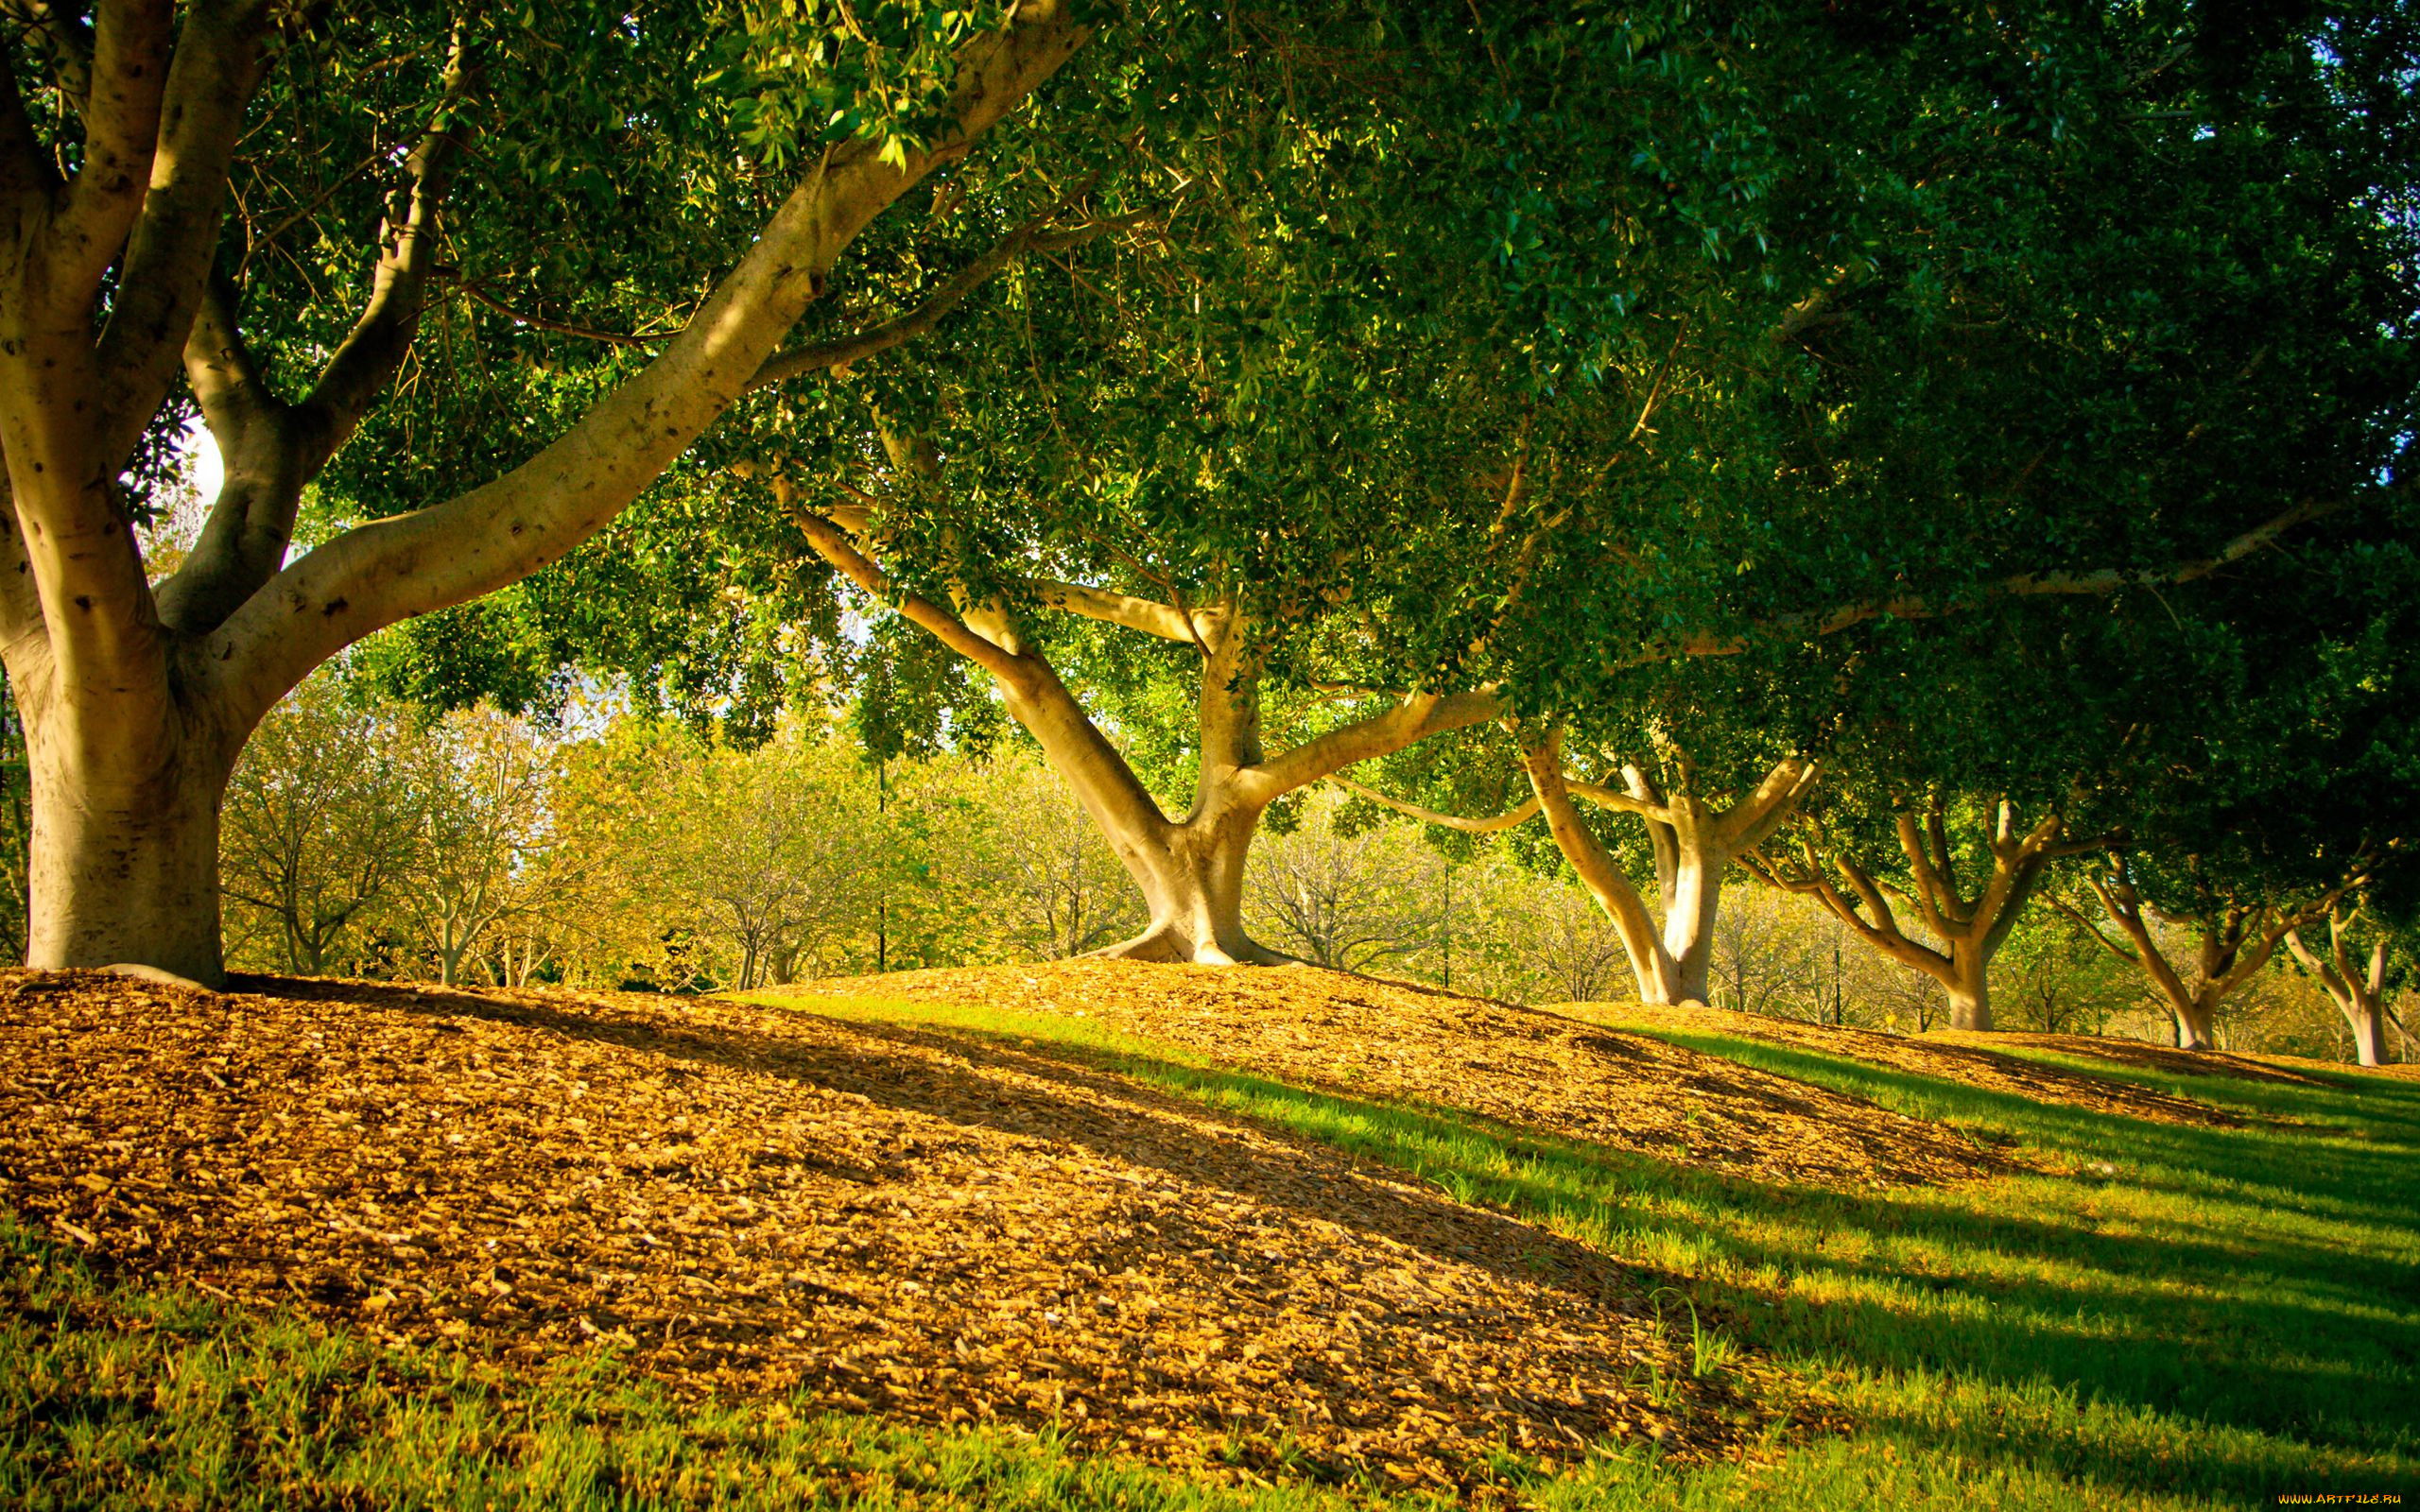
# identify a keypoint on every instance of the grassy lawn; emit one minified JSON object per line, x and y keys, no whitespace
{"x":2220,"y":1315}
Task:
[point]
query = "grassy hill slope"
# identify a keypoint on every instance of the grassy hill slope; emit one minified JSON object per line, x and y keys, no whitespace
{"x":1119,"y":1235}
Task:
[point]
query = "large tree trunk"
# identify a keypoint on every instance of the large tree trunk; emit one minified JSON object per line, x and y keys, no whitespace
{"x":2197,"y":1025}
{"x":1192,"y":877}
{"x":1969,"y":987}
{"x":2369,"y":1032}
{"x":125,"y":872}
{"x":1191,"y":872}
{"x":1673,"y":962}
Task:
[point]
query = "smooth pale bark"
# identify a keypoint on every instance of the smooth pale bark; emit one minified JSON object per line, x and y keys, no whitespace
{"x":1190,"y":870}
{"x":136,"y":705}
{"x":1970,"y":926}
{"x":1694,"y":844}
{"x":2357,"y":987}
{"x":2231,"y":944}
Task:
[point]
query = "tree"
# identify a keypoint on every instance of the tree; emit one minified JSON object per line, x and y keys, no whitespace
{"x":324,"y":820}
{"x":2234,"y":937}
{"x":1058,"y":888}
{"x":2356,"y":980}
{"x":771,"y":859}
{"x":1968,"y":893}
{"x":117,"y":146}
{"x":486,"y":783}
{"x":1347,"y":899}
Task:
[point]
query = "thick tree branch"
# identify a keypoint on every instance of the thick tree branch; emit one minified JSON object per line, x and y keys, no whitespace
{"x":1149,"y":616}
{"x":133,"y":43}
{"x":851,"y":349}
{"x":1416,"y":719}
{"x":2021,"y":585}
{"x":168,"y":247}
{"x":1505,"y":821}
{"x":271,"y":450}
{"x":1752,"y":820}
{"x":377,"y":573}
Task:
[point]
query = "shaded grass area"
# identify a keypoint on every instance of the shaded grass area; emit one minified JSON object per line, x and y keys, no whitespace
{"x":2219,"y":1314}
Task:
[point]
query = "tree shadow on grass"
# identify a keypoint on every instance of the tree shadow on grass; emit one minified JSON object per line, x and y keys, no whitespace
{"x":2137,"y":1328}
{"x":1084,"y":1104}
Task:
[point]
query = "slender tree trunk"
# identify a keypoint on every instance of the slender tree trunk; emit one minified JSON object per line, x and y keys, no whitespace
{"x":1692,"y":898}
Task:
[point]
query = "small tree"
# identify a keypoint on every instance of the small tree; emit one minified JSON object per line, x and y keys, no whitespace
{"x":1347,"y":899}
{"x":323,"y":822}
{"x":486,"y":788}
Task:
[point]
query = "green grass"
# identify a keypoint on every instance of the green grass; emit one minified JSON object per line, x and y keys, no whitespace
{"x":2230,"y":1314}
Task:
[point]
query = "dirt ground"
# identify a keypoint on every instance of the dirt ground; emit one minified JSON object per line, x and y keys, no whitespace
{"x":753,"y":1200}
{"x":1530,"y":1068}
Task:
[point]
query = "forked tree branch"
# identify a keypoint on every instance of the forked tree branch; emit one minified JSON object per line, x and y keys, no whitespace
{"x":376,"y":573}
{"x":170,"y":244}
{"x":271,"y":450}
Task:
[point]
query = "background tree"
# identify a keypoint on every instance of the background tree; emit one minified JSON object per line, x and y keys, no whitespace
{"x":324,"y":820}
{"x":1059,"y":889}
{"x":2359,"y":964}
{"x":1353,"y":899}
{"x":485,"y":783}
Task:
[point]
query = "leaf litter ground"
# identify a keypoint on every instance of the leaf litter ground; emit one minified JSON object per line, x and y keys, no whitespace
{"x":1547,"y":1071}
{"x":750,"y":1201}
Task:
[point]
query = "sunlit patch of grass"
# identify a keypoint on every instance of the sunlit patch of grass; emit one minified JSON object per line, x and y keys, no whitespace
{"x":2226,"y":1314}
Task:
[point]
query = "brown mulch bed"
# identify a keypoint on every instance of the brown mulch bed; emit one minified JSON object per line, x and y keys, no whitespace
{"x":1360,"y":1036}
{"x":754,"y":1200}
{"x":1951,"y":1056}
